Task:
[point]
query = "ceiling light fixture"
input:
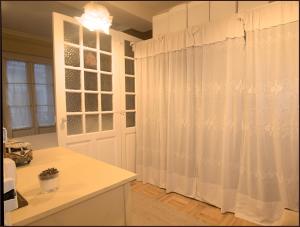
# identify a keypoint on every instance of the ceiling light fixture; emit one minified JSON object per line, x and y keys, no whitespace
{"x":95,"y":18}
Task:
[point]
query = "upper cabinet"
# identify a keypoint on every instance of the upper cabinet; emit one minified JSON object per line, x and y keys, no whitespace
{"x":195,"y":13}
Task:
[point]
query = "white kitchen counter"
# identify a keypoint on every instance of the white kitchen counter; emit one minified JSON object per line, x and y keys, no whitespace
{"x":81,"y":179}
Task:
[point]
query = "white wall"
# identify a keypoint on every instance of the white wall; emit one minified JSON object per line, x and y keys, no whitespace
{"x":194,"y":13}
{"x":40,"y":141}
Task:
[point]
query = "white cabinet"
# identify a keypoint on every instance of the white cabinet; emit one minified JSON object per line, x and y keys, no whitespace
{"x":221,"y":9}
{"x":160,"y":24}
{"x":196,"y":13}
{"x":90,"y":192}
{"x":247,"y":5}
{"x":178,"y":18}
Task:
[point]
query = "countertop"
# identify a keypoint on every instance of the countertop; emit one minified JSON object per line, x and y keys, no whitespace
{"x":80,"y":178}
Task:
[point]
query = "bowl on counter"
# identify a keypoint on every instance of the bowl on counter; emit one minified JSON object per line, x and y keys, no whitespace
{"x":49,"y":180}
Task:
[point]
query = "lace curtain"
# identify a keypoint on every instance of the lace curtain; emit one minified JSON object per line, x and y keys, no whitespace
{"x":269,"y":173}
{"x":219,"y":122}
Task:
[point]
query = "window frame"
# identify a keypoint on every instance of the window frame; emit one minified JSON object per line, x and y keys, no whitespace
{"x":127,"y":93}
{"x":30,"y":61}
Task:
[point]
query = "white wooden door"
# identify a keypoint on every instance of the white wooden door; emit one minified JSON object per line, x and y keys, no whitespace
{"x":88,"y":86}
{"x":128,"y":103}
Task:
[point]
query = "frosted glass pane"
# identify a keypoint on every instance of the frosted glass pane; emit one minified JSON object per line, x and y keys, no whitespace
{"x":18,"y":95}
{"x":44,"y":94}
{"x":16,"y":72}
{"x":128,"y":49}
{"x":90,"y":59}
{"x":90,"y":81}
{"x":129,"y":84}
{"x":72,"y":56}
{"x":106,"y":82}
{"x":74,"y":124}
{"x":130,"y":102}
{"x":92,"y":123}
{"x":45,"y":115}
{"x":20,"y":117}
{"x":73,"y":102}
{"x":129,"y":66}
{"x":71,"y":32}
{"x":107,"y":122}
{"x":72,"y":79}
{"x":130,"y":119}
{"x":105,"y":42}
{"x":106,"y":102}
{"x":89,"y":38}
{"x":91,"y":102}
{"x":105,"y":62}
{"x":43,"y":74}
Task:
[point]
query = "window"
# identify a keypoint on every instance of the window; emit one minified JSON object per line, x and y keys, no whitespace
{"x":129,"y":85}
{"x":43,"y":81}
{"x":29,"y":100}
{"x":18,"y":98}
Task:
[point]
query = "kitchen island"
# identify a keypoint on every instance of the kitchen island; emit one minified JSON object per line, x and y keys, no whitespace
{"x":90,"y":192}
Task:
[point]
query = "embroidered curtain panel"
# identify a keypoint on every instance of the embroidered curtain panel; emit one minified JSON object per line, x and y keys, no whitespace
{"x":217,"y":112}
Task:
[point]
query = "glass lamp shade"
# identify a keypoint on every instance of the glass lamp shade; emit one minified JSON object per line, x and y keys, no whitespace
{"x":95,"y":18}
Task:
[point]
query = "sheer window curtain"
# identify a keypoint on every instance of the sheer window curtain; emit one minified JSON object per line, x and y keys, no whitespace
{"x":166,"y":156}
{"x":151,"y":140}
{"x":219,"y":121}
{"x":269,"y":174}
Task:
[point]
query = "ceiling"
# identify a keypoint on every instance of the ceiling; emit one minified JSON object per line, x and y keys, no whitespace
{"x":34,"y":17}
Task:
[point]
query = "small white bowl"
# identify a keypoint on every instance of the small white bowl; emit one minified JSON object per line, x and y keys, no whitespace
{"x":49,"y":185}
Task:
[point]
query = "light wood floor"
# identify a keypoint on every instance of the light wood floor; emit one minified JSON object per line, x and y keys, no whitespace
{"x":207,"y":213}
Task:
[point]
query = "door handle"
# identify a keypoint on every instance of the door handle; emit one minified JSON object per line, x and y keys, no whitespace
{"x":64,"y":120}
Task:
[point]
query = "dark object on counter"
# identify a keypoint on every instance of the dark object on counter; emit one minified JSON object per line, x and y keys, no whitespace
{"x":20,"y":152}
{"x":48,"y":174}
{"x":22,"y":202}
{"x":11,"y":194}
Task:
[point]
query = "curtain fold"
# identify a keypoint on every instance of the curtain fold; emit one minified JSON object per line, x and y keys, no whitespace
{"x":219,"y":122}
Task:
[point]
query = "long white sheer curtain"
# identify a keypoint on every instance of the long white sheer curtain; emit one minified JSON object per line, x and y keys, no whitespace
{"x":269,"y":174}
{"x":166,"y":154}
{"x":219,"y":121}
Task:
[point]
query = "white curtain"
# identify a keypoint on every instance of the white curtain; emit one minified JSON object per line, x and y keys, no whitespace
{"x":151,"y":85}
{"x":165,"y":138}
{"x":218,"y":121}
{"x":269,"y":173}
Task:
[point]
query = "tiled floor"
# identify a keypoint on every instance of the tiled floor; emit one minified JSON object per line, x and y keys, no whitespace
{"x":199,"y":210}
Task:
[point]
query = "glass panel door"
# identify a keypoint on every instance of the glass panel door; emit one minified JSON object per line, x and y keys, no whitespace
{"x":88,"y":80}
{"x":91,"y":71}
